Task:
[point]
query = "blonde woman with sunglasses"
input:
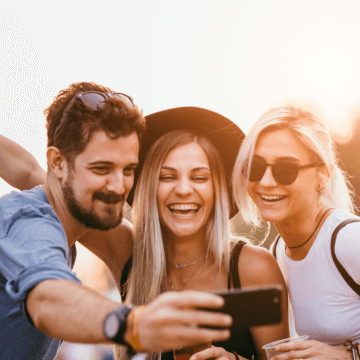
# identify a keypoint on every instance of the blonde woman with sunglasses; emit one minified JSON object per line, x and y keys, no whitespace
{"x":287,"y":173}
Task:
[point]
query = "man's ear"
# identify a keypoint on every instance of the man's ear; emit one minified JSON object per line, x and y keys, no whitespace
{"x":56,"y":161}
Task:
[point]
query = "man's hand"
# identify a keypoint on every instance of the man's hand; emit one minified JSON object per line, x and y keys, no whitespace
{"x":173,"y":320}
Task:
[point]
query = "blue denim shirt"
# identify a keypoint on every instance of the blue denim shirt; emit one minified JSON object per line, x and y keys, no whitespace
{"x":33,"y":248}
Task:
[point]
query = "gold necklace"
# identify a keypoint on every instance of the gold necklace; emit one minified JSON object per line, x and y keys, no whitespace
{"x":178,"y":266}
{"x":188,"y":278}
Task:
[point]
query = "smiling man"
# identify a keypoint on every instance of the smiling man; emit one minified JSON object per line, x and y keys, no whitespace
{"x":93,"y":146}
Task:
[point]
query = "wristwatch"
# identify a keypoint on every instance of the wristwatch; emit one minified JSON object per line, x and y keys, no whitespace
{"x":115,"y":324}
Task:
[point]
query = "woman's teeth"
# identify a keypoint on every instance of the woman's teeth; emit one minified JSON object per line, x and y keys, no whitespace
{"x":272,"y":198}
{"x":184,"y":208}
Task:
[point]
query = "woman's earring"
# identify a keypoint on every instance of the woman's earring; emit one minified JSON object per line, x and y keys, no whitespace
{"x":319,"y":188}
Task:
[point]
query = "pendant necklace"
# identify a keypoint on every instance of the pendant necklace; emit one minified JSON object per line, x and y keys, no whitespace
{"x":178,"y":266}
{"x":191,"y":276}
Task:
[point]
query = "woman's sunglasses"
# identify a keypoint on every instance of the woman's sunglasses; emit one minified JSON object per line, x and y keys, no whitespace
{"x":284,"y":173}
{"x":95,"y":100}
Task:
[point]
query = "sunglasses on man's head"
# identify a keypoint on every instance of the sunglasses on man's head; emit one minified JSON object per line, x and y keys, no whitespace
{"x":284,"y":173}
{"x":95,"y":100}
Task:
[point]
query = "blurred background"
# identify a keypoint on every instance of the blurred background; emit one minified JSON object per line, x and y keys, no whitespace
{"x":237,"y":58}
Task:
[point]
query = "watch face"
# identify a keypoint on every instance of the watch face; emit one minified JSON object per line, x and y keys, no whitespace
{"x":111,"y":326}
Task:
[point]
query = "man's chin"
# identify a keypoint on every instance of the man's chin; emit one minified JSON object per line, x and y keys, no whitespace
{"x":97,"y":222}
{"x":105,"y":224}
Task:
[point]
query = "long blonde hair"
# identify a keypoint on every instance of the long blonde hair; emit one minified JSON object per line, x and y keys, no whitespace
{"x":148,"y":276}
{"x":311,"y":132}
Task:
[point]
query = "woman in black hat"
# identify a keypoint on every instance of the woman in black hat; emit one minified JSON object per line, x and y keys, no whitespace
{"x":182,"y":237}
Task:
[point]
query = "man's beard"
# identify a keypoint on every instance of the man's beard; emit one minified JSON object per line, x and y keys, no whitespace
{"x":90,"y":218}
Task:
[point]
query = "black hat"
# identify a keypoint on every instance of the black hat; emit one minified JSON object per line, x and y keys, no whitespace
{"x":222,"y":132}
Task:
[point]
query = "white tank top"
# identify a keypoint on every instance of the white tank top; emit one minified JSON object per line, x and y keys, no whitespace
{"x":323,"y":305}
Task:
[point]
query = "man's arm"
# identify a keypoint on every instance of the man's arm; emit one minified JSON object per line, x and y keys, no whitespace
{"x":18,"y":167}
{"x":71,"y":312}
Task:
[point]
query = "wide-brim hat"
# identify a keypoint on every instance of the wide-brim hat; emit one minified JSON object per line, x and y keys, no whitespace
{"x":225,"y":135}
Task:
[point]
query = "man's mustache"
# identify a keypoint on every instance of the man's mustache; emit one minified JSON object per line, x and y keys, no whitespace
{"x":109,"y":198}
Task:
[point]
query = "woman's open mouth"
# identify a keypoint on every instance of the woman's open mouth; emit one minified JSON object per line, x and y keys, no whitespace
{"x":272,"y":198}
{"x":186,"y":210}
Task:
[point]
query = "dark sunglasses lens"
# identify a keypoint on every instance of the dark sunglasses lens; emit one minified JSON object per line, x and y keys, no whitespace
{"x":257,"y":171}
{"x":94,"y":100}
{"x":285,"y":173}
{"x":124,"y":97}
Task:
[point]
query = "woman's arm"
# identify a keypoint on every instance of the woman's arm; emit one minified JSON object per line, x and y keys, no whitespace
{"x":18,"y":167}
{"x":257,"y":266}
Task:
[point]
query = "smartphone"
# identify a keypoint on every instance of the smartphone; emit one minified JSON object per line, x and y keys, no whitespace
{"x":253,"y":306}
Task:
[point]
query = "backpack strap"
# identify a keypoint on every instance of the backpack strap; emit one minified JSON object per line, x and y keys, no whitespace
{"x":234,"y":266}
{"x":343,"y":272}
{"x":275,"y":245}
{"x":124,"y":279}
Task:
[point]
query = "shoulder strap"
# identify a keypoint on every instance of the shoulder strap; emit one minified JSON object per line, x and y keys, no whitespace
{"x":343,"y":272}
{"x":275,"y":245}
{"x":124,"y":278}
{"x":234,"y":263}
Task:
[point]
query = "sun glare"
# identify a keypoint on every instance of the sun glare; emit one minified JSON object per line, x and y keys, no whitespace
{"x":331,"y":70}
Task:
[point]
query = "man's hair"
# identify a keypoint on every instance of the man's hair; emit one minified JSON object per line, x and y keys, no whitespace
{"x":116,"y":118}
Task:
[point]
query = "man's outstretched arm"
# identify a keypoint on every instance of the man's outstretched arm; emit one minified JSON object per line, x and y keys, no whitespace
{"x":74,"y":313}
{"x":18,"y":167}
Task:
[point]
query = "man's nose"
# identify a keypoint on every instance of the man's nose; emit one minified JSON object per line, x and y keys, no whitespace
{"x":115,"y":183}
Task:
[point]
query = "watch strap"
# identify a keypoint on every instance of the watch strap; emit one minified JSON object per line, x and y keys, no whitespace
{"x":121,"y":312}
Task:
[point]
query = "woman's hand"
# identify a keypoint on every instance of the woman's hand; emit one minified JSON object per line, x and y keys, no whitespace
{"x":310,"y":349}
{"x":214,"y":352}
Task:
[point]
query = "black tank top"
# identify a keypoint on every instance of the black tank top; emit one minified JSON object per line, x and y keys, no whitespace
{"x":243,"y":343}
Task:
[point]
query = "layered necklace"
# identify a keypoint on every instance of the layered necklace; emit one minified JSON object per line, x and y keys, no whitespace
{"x":178,"y":266}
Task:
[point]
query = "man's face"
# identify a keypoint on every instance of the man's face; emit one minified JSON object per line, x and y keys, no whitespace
{"x":97,"y":183}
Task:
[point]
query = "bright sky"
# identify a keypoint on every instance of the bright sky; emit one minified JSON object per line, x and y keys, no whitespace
{"x":237,"y":58}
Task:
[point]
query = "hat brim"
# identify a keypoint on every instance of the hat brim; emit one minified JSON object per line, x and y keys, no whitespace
{"x":225,"y":135}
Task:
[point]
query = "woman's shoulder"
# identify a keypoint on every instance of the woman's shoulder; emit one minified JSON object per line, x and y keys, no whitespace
{"x":337,"y":216}
{"x":256,"y":255}
{"x":258,"y":266}
{"x":347,"y":244}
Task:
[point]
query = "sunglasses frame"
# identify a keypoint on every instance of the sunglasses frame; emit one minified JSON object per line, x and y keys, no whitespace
{"x":80,"y":96}
{"x":297,"y":167}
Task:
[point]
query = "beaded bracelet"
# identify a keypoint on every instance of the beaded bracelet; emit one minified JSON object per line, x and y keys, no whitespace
{"x":353,"y":348}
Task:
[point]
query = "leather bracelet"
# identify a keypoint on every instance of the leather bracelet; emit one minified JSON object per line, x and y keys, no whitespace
{"x":133,"y":327}
{"x":236,"y":355}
